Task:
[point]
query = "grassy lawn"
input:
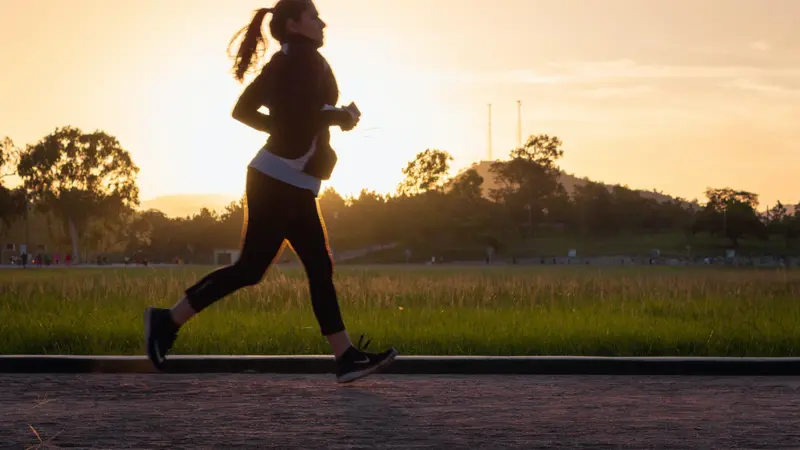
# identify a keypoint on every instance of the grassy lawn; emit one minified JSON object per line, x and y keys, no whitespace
{"x":616,"y":311}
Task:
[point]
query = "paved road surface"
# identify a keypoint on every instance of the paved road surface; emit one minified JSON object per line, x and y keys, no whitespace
{"x":400,"y":412}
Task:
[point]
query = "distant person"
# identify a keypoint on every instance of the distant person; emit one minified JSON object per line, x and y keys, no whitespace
{"x":283,"y":180}
{"x":56,"y":257}
{"x":24,"y":260}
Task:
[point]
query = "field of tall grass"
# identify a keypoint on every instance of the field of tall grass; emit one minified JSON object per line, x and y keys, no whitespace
{"x":615,"y":311}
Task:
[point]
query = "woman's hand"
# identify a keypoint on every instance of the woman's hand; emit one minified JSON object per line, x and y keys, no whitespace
{"x":355,"y":117}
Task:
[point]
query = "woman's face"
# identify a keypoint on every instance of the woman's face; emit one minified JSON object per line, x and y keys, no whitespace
{"x":310,"y":25}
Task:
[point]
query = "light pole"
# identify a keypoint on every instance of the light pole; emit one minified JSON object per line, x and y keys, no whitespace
{"x":27,"y":221}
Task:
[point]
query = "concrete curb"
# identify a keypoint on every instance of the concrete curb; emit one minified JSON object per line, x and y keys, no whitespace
{"x":417,"y":365}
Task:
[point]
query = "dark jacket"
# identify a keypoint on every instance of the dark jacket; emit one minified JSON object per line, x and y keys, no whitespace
{"x":300,"y":90}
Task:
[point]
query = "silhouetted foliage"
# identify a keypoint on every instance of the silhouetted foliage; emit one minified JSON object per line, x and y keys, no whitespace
{"x":79,"y":177}
{"x":426,"y":172}
{"x":731,"y":214}
{"x":12,"y":201}
{"x":88,"y":180}
{"x":781,"y":223}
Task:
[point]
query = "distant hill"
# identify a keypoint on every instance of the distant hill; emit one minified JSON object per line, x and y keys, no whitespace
{"x":568,"y":181}
{"x":182,"y":205}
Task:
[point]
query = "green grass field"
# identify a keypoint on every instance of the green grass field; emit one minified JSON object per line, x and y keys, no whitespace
{"x":616,"y":311}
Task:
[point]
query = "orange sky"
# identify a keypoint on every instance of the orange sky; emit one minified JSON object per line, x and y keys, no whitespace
{"x":674,"y":95}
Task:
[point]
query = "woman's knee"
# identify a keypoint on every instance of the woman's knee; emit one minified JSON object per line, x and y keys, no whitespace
{"x":249,"y":274}
{"x":320,"y":269}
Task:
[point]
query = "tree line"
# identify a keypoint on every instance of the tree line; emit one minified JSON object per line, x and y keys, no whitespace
{"x":85,"y":184}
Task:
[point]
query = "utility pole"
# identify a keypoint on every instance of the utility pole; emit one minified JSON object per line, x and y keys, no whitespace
{"x":27,"y":223}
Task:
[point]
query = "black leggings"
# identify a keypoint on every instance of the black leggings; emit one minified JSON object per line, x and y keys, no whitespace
{"x":277,"y":212}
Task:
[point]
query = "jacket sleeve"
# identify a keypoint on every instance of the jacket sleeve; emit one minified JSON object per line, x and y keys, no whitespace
{"x":300,"y":94}
{"x":253,"y":98}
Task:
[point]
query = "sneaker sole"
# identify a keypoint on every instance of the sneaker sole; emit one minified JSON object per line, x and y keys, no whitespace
{"x":353,"y":376}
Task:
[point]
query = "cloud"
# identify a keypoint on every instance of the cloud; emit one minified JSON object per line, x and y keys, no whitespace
{"x":762,"y":87}
{"x":761,"y":46}
{"x":626,"y":69}
{"x":522,"y":76}
{"x":619,"y":91}
{"x":577,"y":72}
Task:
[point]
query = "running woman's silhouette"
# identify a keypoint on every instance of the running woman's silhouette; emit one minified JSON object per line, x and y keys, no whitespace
{"x":283,"y":180}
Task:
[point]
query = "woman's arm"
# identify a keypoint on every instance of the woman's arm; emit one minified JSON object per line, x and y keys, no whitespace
{"x":300,"y":97}
{"x":246,"y":109}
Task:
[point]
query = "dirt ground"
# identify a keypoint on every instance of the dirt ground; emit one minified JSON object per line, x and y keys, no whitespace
{"x":398,"y":412}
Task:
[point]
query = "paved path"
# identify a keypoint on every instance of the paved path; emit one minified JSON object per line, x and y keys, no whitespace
{"x":400,"y":412}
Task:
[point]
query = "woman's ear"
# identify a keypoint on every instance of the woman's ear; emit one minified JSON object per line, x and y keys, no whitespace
{"x":291,"y":25}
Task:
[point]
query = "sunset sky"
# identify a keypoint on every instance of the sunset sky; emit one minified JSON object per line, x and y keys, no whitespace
{"x":673,"y":95}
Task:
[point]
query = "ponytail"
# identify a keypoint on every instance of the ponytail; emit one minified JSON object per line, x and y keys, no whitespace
{"x":252,"y":47}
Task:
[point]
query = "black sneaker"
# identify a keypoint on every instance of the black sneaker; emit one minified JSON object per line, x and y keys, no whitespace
{"x":355,"y":363}
{"x":160,"y":333}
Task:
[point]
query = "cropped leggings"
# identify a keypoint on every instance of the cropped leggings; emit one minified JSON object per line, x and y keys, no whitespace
{"x":277,"y":212}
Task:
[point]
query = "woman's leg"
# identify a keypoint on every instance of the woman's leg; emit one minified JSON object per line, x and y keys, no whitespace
{"x":268,"y":217}
{"x":309,"y":240}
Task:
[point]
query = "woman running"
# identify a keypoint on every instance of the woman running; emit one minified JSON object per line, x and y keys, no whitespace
{"x":283,"y":182}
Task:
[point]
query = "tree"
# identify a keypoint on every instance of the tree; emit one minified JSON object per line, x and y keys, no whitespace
{"x":201,"y":232}
{"x":12,"y":206}
{"x":231,"y":223}
{"x":366,"y":217}
{"x":780,"y":223}
{"x":532,"y":171}
{"x":12,"y":201}
{"x":333,"y":207}
{"x":730,"y":213}
{"x":791,"y":228}
{"x":139,"y":232}
{"x":426,"y":172}
{"x":596,"y":208}
{"x":331,"y":203}
{"x":467,"y":185}
{"x":719,"y":198}
{"x":8,"y":153}
{"x":80,"y":177}
{"x":522,"y":178}
{"x":529,"y":183}
{"x":542,"y":149}
{"x":777,"y":213}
